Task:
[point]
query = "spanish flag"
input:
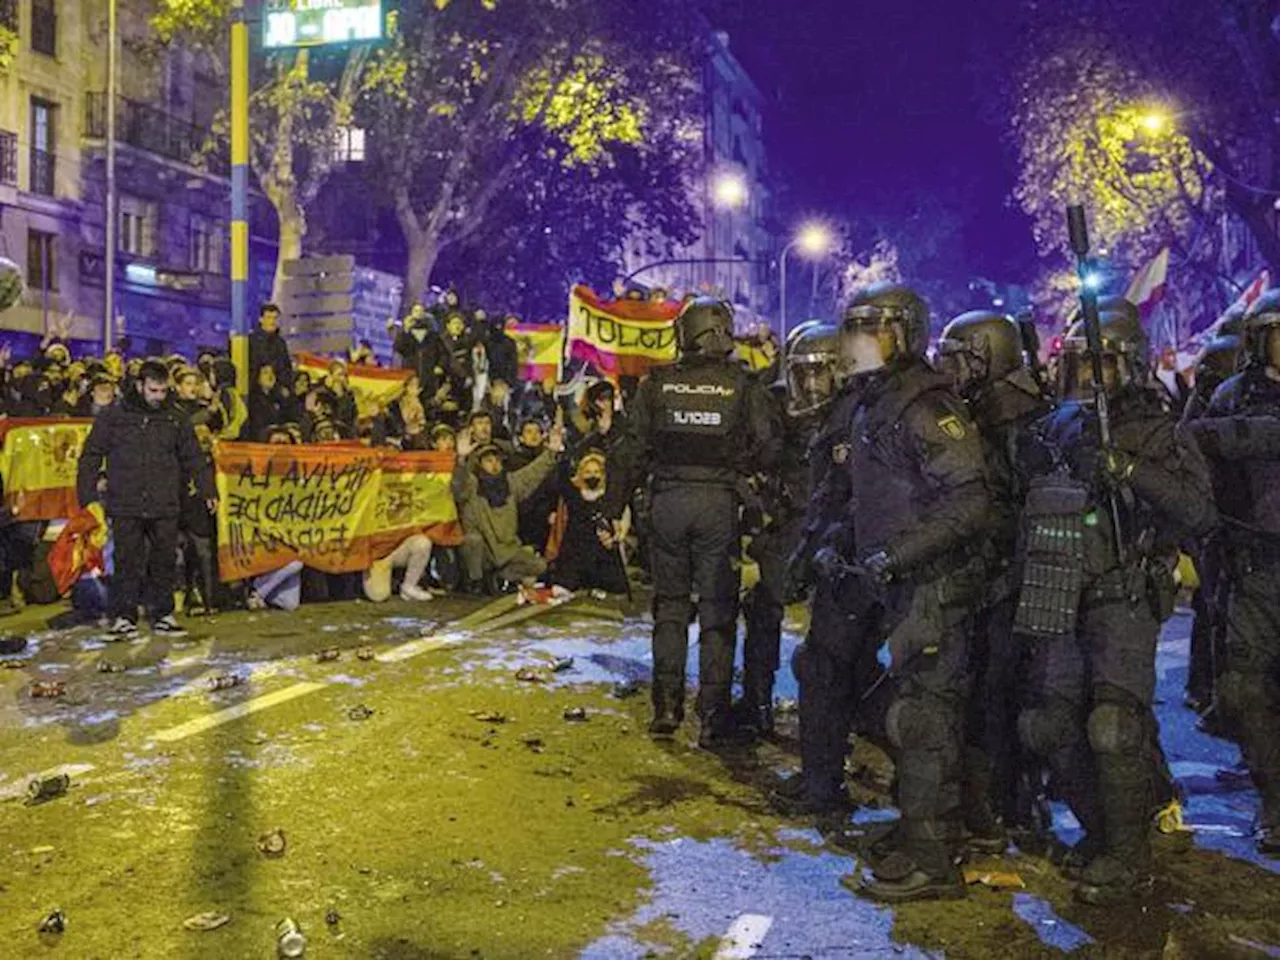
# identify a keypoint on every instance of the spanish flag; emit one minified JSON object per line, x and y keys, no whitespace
{"x":540,"y":347}
{"x":371,"y":385}
{"x":38,"y":461}
{"x":621,"y":337}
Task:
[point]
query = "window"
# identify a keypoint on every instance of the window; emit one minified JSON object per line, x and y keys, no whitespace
{"x":42,"y":264}
{"x":9,"y":14}
{"x":348,"y":146}
{"x":43,"y":146}
{"x":137,"y":226}
{"x":204,"y":248}
{"x":44,"y":27}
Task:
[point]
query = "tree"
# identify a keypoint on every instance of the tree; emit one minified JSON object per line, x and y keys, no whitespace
{"x":1159,"y":116}
{"x":294,"y":118}
{"x":478,"y":117}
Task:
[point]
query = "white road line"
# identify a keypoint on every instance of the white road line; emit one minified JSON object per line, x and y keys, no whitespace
{"x":744,"y":938}
{"x":201,"y":724}
{"x":414,"y":647}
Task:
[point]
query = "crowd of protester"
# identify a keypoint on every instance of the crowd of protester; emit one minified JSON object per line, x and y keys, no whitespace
{"x":544,"y":484}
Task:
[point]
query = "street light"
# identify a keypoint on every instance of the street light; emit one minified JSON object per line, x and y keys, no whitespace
{"x":1154,"y":122}
{"x":814,"y":241}
{"x":729,"y":190}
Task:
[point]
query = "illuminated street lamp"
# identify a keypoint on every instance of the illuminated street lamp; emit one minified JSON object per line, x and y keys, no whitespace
{"x":815,"y":242}
{"x":1155,"y":122}
{"x":729,"y":191}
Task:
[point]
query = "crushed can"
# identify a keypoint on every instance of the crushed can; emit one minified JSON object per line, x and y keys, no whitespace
{"x":289,"y":939}
{"x":225,"y":682}
{"x":48,"y":688}
{"x":111,"y":666}
{"x":55,"y":922}
{"x":328,"y":655}
{"x":42,"y":789}
{"x":575,"y":714}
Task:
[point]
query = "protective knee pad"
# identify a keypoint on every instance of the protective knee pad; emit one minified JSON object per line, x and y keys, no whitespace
{"x":918,"y":723}
{"x":1048,"y":728}
{"x":1116,"y":728}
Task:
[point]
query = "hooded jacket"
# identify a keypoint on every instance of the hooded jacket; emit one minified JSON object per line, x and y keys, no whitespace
{"x":150,"y":455}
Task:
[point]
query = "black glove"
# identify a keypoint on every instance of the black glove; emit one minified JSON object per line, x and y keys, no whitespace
{"x":829,"y":564}
{"x":878,"y":565}
{"x":1118,"y":466}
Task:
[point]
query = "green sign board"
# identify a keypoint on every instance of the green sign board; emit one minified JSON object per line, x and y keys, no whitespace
{"x":309,"y":23}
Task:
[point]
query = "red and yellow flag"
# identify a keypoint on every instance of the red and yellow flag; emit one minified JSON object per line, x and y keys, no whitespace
{"x":540,"y":347}
{"x":371,"y":385}
{"x":335,"y":507}
{"x":621,"y":337}
{"x":38,"y":461}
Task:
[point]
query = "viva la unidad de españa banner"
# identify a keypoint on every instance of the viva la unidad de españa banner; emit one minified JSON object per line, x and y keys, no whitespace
{"x":336,"y":508}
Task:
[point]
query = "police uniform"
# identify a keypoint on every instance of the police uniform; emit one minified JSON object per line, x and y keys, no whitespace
{"x":785,"y":500}
{"x":702,"y":425}
{"x":918,"y":502}
{"x":1240,"y":435}
{"x":1091,"y":684}
{"x":1003,"y":411}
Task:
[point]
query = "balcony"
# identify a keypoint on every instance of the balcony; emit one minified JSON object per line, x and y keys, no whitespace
{"x":8,"y":158}
{"x":155,"y":131}
{"x":43,"y":170}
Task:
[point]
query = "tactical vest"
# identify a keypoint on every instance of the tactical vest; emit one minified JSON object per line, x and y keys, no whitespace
{"x":700,"y":422}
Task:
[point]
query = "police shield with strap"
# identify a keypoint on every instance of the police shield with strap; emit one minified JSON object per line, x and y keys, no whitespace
{"x":701,"y":426}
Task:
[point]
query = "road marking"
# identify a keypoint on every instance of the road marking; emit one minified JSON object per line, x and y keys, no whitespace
{"x":744,"y":938}
{"x":19,"y":789}
{"x":415,"y":647}
{"x":201,"y":724}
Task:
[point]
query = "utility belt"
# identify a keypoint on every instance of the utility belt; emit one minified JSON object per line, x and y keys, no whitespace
{"x":670,"y":478}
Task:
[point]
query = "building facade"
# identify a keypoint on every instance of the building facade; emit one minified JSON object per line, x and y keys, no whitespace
{"x":172,"y":251}
{"x":736,"y":245}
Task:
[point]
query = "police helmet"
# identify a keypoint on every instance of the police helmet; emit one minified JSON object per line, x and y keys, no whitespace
{"x":982,"y":347}
{"x":705,"y":327}
{"x":1218,"y":360}
{"x":1124,"y":344}
{"x":891,"y":307}
{"x":1262,"y":317}
{"x":811,"y":367}
{"x":1231,"y":323}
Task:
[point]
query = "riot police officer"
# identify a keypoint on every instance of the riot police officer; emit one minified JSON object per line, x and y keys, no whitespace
{"x":1216,"y":364}
{"x":1240,"y":434}
{"x":836,"y":664}
{"x":983,"y":353}
{"x":810,"y":385}
{"x":917,"y":500}
{"x":1101,"y":530}
{"x":701,"y":425}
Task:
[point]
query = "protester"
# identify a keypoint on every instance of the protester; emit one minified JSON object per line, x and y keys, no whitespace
{"x":267,"y":347}
{"x":592,"y":522}
{"x":148,"y":454}
{"x":488,"y":498}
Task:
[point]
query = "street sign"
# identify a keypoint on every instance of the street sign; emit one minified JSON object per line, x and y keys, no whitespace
{"x":311,"y":23}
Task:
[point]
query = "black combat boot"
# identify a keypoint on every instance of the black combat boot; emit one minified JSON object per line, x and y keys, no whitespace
{"x":1123,"y":871}
{"x":754,"y":711}
{"x":719,"y":730}
{"x":668,"y":708}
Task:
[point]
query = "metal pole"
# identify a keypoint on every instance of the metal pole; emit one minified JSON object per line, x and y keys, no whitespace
{"x":240,"y":194}
{"x":109,"y":213}
{"x":782,"y":306}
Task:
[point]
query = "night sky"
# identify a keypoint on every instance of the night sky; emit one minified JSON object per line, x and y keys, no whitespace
{"x":879,"y":112}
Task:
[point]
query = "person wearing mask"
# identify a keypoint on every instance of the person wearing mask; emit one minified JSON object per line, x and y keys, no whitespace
{"x":488,"y":498}
{"x":592,"y":522}
{"x":535,"y":512}
{"x":149,"y":454}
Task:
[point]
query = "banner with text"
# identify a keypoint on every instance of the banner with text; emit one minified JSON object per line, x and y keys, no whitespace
{"x":621,"y":338}
{"x":38,"y":462}
{"x":336,"y":508}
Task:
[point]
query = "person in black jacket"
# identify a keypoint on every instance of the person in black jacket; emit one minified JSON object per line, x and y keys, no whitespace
{"x":421,"y":350}
{"x":150,"y":455}
{"x":267,"y":348}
